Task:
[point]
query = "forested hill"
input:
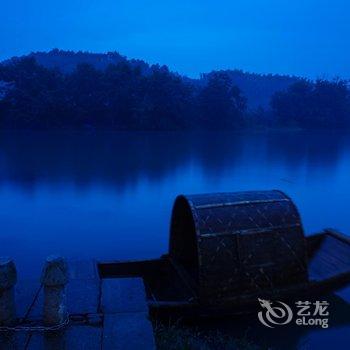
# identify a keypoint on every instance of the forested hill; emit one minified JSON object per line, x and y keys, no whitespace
{"x":257,"y":88}
{"x":67,"y":61}
{"x":67,"y":90}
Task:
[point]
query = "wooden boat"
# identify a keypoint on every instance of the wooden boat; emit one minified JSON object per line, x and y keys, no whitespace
{"x":227,"y":250}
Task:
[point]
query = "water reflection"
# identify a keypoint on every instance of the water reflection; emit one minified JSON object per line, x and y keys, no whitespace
{"x":120,"y":159}
{"x":109,"y":195}
{"x":114,"y":159}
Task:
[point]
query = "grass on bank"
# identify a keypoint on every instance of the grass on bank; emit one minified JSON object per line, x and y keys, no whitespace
{"x":175,"y":337}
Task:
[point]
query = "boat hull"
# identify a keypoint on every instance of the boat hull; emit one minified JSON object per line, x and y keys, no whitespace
{"x":169,"y":292}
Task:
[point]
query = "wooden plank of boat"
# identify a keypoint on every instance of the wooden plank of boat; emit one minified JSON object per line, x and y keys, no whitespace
{"x":330,"y":263}
{"x":328,"y":268}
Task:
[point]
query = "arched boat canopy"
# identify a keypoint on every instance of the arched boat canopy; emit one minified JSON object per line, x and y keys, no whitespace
{"x":229,"y":243}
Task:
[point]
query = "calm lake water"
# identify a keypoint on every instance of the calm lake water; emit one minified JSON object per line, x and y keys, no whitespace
{"x":109,"y":195}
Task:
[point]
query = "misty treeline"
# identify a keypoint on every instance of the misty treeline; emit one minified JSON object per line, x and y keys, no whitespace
{"x":122,"y":97}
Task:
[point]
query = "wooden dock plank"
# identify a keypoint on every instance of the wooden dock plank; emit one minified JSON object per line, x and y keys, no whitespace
{"x":26,"y":292}
{"x":82,"y":269}
{"x":123,"y":295}
{"x":83,"y":291}
{"x":74,"y":337}
{"x":13,"y":340}
{"x":124,"y":325}
{"x":83,"y":296}
{"x":132,"y":331}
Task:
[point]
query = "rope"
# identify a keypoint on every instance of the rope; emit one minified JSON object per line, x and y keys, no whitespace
{"x":40,"y":328}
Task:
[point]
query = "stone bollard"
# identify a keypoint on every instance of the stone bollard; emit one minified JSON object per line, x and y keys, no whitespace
{"x":8,"y":279}
{"x":54,"y":279}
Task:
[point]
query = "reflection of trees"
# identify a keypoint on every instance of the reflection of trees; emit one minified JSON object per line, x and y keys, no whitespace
{"x":116,"y":158}
{"x":121,"y":159}
{"x":315,"y":150}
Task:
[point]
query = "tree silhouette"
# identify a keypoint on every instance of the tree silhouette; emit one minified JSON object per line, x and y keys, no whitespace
{"x":220,"y":103}
{"x":131,"y":95}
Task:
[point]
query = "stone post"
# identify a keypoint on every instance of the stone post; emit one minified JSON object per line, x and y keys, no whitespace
{"x":8,"y":279}
{"x":54,"y":279}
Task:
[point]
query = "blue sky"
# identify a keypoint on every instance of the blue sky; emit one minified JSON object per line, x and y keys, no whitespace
{"x":309,"y":38}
